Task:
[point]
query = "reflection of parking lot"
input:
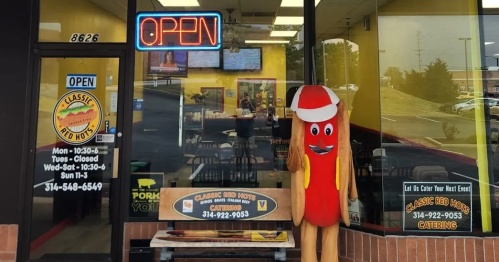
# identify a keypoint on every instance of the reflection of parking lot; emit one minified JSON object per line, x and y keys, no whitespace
{"x":417,"y":128}
{"x":429,"y":126}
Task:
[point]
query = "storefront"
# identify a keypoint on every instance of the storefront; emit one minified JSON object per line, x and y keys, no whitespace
{"x":113,"y":100}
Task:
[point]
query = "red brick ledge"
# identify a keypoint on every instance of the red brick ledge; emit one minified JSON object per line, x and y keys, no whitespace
{"x":8,"y":242}
{"x":358,"y":246}
{"x":354,"y":246}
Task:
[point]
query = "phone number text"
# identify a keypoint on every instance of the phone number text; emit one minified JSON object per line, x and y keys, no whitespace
{"x":438,"y":215}
{"x":225,"y":215}
{"x":89,"y":186}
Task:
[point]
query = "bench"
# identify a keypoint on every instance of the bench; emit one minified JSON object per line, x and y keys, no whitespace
{"x":224,"y":204}
{"x":210,"y":171}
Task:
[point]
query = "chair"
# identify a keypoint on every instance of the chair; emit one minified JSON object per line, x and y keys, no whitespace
{"x":243,"y":177}
{"x":364,"y":158}
{"x":207,"y":148}
{"x":430,"y":174}
{"x":206,"y":172}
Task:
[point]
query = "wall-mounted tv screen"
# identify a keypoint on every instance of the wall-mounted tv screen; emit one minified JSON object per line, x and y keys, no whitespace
{"x":204,"y":59}
{"x":246,"y":59}
{"x":170,"y":63}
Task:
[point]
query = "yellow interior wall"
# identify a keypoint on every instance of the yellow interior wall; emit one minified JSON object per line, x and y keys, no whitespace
{"x":425,"y":7}
{"x":273,"y":66}
{"x":80,"y":16}
{"x":366,"y":104}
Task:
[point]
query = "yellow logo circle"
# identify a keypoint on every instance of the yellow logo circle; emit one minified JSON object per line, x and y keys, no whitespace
{"x":77,"y":117}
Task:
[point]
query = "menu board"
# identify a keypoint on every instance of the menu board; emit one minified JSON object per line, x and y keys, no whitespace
{"x":225,"y":205}
{"x":144,"y":195}
{"x":245,"y":59}
{"x":204,"y":59}
{"x":437,"y":206}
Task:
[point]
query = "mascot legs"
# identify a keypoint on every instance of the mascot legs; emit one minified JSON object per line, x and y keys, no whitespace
{"x":308,"y":242}
{"x":329,"y":251}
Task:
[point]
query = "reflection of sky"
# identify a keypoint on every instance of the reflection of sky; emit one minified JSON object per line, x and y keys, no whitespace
{"x":355,"y":47}
{"x":439,"y":39}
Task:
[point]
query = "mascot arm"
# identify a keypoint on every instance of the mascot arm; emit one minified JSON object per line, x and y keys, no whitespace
{"x":299,"y":182}
{"x":352,"y":185}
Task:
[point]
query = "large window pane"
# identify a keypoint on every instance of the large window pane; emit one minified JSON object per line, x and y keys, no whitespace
{"x":347,"y":62}
{"x":187,"y":128}
{"x":434,"y":109}
{"x":101,"y":21}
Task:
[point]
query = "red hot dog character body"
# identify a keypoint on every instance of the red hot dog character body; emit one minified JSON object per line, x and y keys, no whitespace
{"x":320,"y":161}
{"x":321,"y":195}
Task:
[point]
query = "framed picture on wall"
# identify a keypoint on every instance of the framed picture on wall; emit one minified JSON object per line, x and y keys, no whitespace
{"x":261,"y":92}
{"x":214,"y":100}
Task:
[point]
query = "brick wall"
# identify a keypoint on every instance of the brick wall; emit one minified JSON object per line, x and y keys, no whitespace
{"x":361,"y":247}
{"x":354,"y":246}
{"x":8,"y":243}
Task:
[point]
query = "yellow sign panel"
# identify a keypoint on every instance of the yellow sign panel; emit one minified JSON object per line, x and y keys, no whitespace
{"x":262,"y":205}
{"x":269,"y":236}
{"x":77,"y":117}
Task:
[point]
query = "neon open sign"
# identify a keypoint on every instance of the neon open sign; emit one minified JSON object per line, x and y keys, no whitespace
{"x":179,"y":31}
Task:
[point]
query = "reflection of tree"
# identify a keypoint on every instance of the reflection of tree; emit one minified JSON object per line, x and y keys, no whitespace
{"x":294,"y":53}
{"x":335,"y":64}
{"x":234,"y":36}
{"x":434,"y":84}
{"x":396,"y":77}
{"x":439,"y":84}
{"x":413,"y":82}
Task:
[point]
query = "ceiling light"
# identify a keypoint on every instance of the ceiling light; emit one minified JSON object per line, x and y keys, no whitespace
{"x":266,"y":41}
{"x":489,"y":43}
{"x":295,"y":3}
{"x":283,"y":33}
{"x":178,"y":3}
{"x":288,"y":20}
{"x":490,"y":3}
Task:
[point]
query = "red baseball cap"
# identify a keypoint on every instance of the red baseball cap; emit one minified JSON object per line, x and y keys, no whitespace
{"x":314,"y":103}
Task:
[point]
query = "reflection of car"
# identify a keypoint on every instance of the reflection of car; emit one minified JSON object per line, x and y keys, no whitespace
{"x":469,"y":109}
{"x":471,"y":103}
{"x":447,"y":107}
{"x":469,"y":95}
{"x":352,"y":87}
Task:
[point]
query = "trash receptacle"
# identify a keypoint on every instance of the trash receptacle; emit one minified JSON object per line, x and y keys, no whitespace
{"x":140,"y":251}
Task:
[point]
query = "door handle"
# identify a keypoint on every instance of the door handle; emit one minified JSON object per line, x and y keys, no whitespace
{"x":116,"y":162}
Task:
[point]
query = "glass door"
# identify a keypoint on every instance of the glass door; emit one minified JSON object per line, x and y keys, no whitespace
{"x":77,"y":156}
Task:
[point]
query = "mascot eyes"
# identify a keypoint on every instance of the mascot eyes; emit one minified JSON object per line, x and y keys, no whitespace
{"x":314,"y":129}
{"x":328,"y":130}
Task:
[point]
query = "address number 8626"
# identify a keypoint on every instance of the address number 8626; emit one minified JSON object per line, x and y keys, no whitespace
{"x":84,"y":38}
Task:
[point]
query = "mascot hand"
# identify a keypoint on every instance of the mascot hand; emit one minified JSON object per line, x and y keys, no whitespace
{"x":297,"y":196}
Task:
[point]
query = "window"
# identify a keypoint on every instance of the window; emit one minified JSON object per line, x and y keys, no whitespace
{"x":426,"y":144}
{"x":416,"y":128}
{"x":346,"y":61}
{"x":214,"y":100}
{"x":82,"y":21}
{"x":221,"y":121}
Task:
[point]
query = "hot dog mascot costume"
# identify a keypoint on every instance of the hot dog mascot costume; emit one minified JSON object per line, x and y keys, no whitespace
{"x":321,"y":166}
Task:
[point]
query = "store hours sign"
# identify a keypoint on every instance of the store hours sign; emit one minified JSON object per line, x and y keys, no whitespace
{"x":76,"y":166}
{"x":437,"y":206}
